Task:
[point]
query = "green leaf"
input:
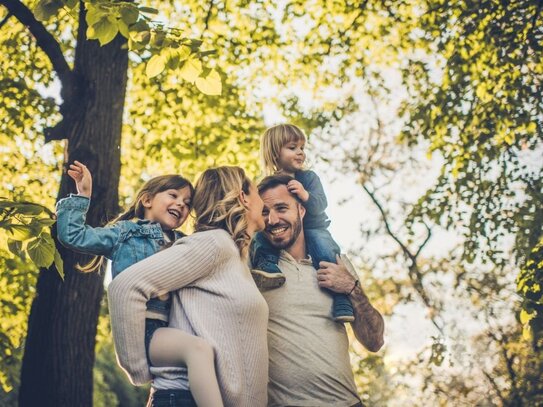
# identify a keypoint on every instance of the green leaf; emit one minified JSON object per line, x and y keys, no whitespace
{"x":45,"y":222}
{"x":148,"y":10}
{"x":155,"y":66}
{"x":191,"y":69}
{"x":15,"y":247}
{"x":45,"y":9}
{"x":93,"y":15}
{"x":104,"y":30}
{"x":30,"y":209}
{"x":123,"y":29}
{"x":140,"y":37}
{"x":71,"y":3}
{"x":42,"y":250}
{"x":21,"y":232}
{"x":129,"y":14}
{"x":211,"y":84}
{"x":59,"y":264}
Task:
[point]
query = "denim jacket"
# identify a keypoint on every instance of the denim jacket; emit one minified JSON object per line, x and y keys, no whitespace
{"x":315,"y":217}
{"x":124,"y":242}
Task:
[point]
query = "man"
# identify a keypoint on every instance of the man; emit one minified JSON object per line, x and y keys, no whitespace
{"x":309,"y":360}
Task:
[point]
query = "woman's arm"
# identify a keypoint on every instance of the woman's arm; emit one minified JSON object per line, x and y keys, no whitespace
{"x":188,"y":260}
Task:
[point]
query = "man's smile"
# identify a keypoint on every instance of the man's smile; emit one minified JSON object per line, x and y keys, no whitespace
{"x":277,"y":230}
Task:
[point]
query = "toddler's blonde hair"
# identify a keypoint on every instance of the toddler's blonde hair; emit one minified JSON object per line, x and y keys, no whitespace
{"x":272,"y":142}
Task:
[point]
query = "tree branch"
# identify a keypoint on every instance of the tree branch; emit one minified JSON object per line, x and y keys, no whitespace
{"x":208,"y":16}
{"x":44,"y":39}
{"x":414,"y":273}
{"x":5,"y":20}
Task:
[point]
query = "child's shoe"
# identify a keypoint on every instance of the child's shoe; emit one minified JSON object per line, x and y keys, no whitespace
{"x":268,"y":276}
{"x":342,"y":309}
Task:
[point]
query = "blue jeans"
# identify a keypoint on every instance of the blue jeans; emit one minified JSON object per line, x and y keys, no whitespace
{"x":151,"y":325}
{"x":321,"y":246}
{"x":171,"y":398}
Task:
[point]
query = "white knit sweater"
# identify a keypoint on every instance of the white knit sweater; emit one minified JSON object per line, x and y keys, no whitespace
{"x":214,"y":297}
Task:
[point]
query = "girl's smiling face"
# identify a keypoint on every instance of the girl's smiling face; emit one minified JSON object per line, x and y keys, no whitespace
{"x":170,"y":208}
{"x":292,"y":157}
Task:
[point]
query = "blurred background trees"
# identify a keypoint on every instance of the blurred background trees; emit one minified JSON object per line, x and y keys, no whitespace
{"x":428,"y":113}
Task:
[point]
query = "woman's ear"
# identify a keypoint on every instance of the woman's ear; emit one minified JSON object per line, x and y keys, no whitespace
{"x":243,"y":198}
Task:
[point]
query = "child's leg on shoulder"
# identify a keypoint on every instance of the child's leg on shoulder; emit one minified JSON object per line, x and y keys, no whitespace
{"x":262,"y":251}
{"x":173,"y":347}
{"x":322,"y":247}
{"x":264,"y":258}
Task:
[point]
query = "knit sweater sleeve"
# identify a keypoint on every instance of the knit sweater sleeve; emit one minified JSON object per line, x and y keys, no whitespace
{"x":188,"y":260}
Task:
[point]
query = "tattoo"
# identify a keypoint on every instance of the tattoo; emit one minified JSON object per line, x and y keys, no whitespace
{"x":368,"y":326}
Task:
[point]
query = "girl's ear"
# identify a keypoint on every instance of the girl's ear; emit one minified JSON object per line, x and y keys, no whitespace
{"x":146,"y":200}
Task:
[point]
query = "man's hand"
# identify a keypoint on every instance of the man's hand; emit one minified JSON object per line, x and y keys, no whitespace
{"x":82,"y":177}
{"x":335,"y":277}
{"x":296,"y":187}
{"x":368,"y":326}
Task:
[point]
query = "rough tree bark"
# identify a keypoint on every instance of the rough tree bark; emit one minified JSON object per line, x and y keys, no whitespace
{"x":59,"y":350}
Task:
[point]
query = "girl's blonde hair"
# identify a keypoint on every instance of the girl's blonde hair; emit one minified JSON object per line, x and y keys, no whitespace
{"x":217,"y":204}
{"x":272,"y":142}
{"x":137,"y":210}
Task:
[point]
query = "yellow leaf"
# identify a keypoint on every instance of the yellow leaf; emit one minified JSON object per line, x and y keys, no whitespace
{"x":155,"y":66}
{"x":211,"y":84}
{"x":524,"y":317}
{"x":191,"y":69}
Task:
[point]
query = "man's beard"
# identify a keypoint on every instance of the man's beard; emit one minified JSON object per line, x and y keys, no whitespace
{"x":296,"y":229}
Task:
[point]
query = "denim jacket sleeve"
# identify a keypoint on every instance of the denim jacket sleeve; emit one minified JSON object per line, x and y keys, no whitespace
{"x":76,"y":235}
{"x":317,"y":202}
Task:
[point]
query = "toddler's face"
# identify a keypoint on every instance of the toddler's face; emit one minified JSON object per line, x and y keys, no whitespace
{"x":292,"y":156}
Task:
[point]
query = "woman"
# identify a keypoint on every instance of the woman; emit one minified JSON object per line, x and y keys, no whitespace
{"x":214,"y":295}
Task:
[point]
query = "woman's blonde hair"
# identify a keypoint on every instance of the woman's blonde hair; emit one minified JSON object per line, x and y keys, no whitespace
{"x":136,"y":210}
{"x":272,"y":142}
{"x":217,"y":203}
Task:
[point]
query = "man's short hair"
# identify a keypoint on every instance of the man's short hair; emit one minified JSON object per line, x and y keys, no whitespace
{"x":273,"y":181}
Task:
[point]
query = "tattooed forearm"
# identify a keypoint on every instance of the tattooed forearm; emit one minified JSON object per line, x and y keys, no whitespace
{"x":369,"y":325}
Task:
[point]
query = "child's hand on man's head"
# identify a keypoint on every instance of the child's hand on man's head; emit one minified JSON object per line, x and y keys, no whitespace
{"x":296,"y":187}
{"x":82,"y":177}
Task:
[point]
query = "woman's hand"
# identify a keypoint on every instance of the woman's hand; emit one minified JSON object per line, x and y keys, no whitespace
{"x":82,"y":177}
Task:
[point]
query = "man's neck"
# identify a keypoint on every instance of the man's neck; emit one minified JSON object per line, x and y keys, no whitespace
{"x":298,"y":250}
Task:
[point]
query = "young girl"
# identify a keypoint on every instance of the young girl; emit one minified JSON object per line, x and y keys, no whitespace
{"x":213,"y":296}
{"x":161,"y":206}
{"x":282,"y":151}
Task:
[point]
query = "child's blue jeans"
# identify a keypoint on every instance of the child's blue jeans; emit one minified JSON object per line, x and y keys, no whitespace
{"x":320,"y":245}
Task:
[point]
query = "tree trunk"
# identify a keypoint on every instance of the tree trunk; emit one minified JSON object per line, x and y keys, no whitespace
{"x":59,"y":351}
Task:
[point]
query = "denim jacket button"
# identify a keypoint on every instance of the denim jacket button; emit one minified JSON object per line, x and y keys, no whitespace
{"x":161,"y":242}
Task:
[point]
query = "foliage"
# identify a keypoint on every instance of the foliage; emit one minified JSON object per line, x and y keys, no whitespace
{"x":29,"y":233}
{"x":529,"y":285}
{"x":482,"y":114}
{"x":17,"y":288}
{"x":167,"y":46}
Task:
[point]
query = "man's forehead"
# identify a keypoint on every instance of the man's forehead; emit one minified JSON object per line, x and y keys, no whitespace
{"x":277,"y":195}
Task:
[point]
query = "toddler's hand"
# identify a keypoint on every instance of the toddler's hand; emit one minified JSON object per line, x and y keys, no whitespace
{"x":82,"y":177}
{"x":295,"y":187}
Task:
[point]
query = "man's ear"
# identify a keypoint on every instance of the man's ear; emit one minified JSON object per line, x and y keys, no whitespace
{"x":301,"y":210}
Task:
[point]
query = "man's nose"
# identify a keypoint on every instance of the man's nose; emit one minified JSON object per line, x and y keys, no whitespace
{"x":272,"y":218}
